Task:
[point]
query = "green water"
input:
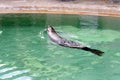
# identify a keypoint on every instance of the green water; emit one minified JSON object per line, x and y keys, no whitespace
{"x":26,"y":53}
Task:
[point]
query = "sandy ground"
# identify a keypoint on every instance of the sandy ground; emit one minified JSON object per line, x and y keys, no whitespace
{"x":88,"y":7}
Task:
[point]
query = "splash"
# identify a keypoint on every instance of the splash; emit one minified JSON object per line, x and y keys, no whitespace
{"x":41,"y":34}
{"x":1,"y":32}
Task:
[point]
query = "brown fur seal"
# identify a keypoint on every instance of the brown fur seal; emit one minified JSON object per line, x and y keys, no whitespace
{"x":68,"y":43}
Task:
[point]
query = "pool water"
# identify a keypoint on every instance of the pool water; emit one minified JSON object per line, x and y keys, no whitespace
{"x":26,"y":52}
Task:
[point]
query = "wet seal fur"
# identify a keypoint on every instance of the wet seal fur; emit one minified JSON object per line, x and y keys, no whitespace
{"x":68,"y":43}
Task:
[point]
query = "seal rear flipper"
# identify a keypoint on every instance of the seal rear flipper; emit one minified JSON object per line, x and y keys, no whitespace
{"x":94,"y":51}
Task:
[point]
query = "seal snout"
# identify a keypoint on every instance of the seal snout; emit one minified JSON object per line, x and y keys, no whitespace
{"x":50,"y":28}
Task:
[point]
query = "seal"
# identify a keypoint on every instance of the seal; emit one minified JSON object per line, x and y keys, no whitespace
{"x":56,"y":38}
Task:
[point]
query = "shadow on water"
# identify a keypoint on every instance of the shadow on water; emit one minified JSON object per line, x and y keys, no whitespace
{"x":25,"y":46}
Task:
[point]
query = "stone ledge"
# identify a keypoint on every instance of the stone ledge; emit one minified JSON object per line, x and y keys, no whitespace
{"x":87,"y":7}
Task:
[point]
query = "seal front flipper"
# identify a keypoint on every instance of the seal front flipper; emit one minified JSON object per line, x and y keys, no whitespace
{"x":94,"y":51}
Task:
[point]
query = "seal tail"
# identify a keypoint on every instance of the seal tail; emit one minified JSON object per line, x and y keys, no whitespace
{"x":94,"y":51}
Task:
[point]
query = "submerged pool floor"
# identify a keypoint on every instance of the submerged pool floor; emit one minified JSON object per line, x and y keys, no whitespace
{"x":26,"y":53}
